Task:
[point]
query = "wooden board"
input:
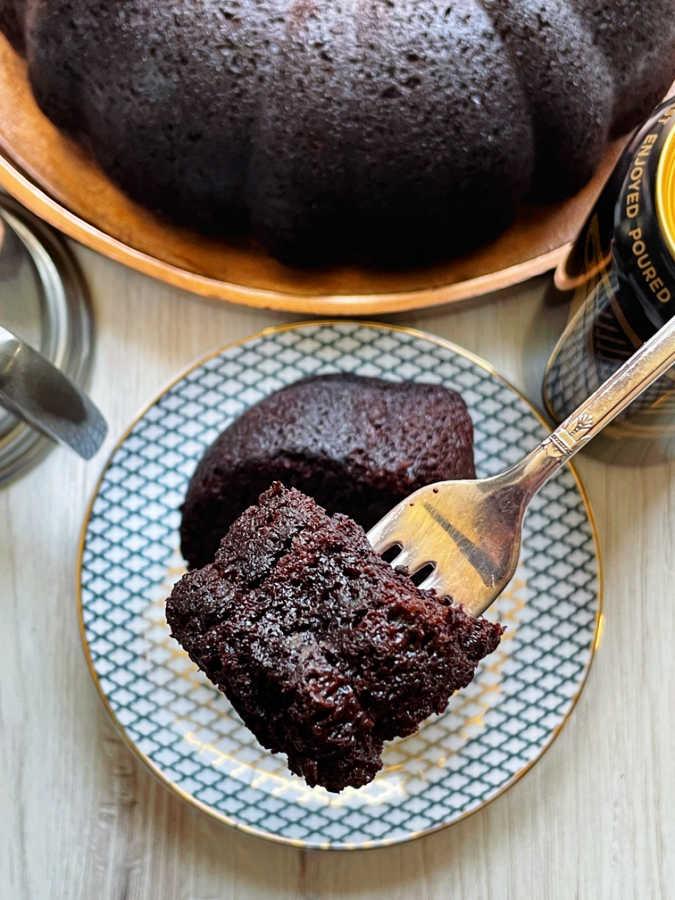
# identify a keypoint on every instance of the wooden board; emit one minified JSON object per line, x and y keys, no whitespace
{"x":55,"y":179}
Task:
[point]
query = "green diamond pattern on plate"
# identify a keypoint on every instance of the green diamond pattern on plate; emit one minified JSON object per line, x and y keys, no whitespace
{"x":187,"y":730}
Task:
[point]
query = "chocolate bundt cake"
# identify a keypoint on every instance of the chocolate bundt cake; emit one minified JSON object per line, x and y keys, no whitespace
{"x":357,"y":445}
{"x":323,"y":649}
{"x":383,"y":131}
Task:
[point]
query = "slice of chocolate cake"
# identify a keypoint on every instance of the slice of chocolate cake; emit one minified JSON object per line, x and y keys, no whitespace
{"x":357,"y":445}
{"x":323,"y":649}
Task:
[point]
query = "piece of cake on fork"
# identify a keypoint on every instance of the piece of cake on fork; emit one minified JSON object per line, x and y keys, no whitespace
{"x":322,"y":647}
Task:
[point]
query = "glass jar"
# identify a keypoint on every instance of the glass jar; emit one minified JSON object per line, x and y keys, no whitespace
{"x":45,"y":302}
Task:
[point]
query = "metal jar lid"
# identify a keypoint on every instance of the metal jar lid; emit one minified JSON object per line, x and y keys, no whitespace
{"x":43,"y":299}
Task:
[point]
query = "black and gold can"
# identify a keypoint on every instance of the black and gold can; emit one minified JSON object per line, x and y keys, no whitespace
{"x":620,"y":272}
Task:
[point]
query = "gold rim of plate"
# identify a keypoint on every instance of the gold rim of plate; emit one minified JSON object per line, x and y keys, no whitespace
{"x":221,"y":817}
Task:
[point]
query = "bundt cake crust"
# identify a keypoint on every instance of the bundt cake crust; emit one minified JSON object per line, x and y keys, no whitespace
{"x":357,"y":445}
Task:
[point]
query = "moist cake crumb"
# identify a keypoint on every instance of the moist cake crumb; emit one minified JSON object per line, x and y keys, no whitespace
{"x":324,"y":649}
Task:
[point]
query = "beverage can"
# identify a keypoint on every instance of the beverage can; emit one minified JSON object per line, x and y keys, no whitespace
{"x":620,"y":273}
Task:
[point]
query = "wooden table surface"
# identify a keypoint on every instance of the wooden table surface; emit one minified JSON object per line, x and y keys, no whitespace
{"x":81,"y":818}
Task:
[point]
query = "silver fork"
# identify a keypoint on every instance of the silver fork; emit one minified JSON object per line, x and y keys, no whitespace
{"x":470,"y":531}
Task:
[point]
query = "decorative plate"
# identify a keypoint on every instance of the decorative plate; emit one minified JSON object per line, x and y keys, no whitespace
{"x":186,"y":731}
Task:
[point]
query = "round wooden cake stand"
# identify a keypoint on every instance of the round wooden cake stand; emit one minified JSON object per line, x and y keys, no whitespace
{"x":57,"y":181}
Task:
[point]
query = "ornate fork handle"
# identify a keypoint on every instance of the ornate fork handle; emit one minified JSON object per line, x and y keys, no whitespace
{"x":647,"y":364}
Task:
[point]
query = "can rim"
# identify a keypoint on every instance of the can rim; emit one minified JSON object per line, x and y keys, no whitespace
{"x":665,"y":192}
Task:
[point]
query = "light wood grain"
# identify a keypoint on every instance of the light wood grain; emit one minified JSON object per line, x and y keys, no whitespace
{"x":82,"y":819}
